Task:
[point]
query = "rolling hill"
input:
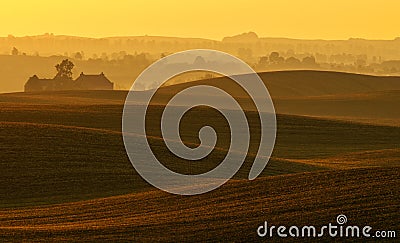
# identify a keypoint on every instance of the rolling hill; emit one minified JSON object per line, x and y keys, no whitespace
{"x":323,"y":94}
{"x":66,"y":176}
{"x":333,"y":95}
{"x":231,"y":213}
{"x":302,"y":83}
{"x":67,"y":146}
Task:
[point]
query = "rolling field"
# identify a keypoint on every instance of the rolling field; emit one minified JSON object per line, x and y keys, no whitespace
{"x":332,"y":95}
{"x":65,"y":174}
{"x":55,"y":154}
{"x":304,"y":83}
{"x":231,"y":213}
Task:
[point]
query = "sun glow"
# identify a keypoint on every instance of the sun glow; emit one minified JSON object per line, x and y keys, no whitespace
{"x":306,"y":19}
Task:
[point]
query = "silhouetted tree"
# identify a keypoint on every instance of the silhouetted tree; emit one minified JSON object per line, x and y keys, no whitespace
{"x":104,"y":56}
{"x":292,"y":61}
{"x":263,"y":61}
{"x":14,"y":51}
{"x":275,"y":58}
{"x":310,"y":61}
{"x":78,"y":56}
{"x":64,"y":69}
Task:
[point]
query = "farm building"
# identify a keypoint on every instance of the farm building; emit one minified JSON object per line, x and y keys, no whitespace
{"x":83,"y":82}
{"x":93,"y":82}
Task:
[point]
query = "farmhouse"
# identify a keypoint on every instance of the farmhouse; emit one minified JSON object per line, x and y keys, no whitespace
{"x":83,"y":82}
{"x":93,"y":82}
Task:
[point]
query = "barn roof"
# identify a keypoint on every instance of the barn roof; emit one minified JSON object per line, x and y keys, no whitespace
{"x":34,"y":80}
{"x":93,"y":79}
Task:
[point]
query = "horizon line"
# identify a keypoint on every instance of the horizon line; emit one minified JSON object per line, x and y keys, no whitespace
{"x":201,"y":38}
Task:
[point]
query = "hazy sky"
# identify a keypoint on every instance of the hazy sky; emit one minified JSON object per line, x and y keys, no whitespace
{"x":214,"y":19}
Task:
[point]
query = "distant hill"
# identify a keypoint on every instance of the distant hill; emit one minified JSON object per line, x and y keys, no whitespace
{"x":49,"y":44}
{"x":333,"y":95}
{"x":245,"y":37}
{"x":301,"y":83}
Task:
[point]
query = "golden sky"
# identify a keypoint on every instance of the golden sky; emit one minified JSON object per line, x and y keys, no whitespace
{"x":214,"y":19}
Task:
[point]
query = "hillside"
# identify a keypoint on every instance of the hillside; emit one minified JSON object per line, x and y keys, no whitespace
{"x":67,"y":146}
{"x":303,"y":83}
{"x":332,"y":95}
{"x":368,"y":158}
{"x":379,"y":107}
{"x":231,"y":213}
{"x":66,"y":176}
